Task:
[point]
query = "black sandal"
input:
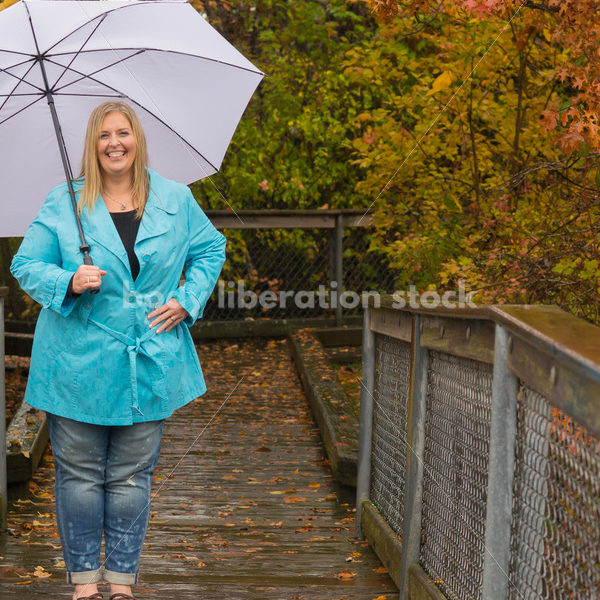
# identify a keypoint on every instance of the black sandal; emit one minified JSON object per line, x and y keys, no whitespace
{"x":96,"y":596}
{"x":121,"y":596}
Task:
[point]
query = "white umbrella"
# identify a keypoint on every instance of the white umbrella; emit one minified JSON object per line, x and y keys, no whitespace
{"x":61,"y":58}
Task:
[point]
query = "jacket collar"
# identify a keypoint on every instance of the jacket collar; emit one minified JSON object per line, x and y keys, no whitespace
{"x":98,"y":225}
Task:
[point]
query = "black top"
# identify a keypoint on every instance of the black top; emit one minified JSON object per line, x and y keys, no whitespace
{"x":127,"y":226}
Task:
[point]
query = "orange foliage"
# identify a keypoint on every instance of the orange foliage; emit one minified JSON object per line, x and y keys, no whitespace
{"x":569,"y":27}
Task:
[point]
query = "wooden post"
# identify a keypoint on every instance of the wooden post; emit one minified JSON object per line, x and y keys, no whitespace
{"x":3,"y":487}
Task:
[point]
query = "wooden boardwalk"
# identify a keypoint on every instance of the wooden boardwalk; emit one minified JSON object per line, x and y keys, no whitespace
{"x":248,"y":510}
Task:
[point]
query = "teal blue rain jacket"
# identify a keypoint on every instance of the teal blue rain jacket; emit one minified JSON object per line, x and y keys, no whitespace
{"x":95,"y":358}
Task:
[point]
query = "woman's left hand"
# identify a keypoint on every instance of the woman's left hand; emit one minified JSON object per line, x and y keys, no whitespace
{"x":169,"y":314}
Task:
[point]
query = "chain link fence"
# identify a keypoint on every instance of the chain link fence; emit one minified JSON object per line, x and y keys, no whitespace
{"x":279,"y":266}
{"x":555,"y":532}
{"x":456,"y":458}
{"x":390,"y":417}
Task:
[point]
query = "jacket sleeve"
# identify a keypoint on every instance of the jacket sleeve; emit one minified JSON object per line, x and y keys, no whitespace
{"x":37,"y":263}
{"x":70,"y":291}
{"x":205,"y":258}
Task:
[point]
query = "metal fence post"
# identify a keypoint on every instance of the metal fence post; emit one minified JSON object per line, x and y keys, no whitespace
{"x":365,"y":434}
{"x":339,"y":274}
{"x":3,"y":487}
{"x":332,"y":263}
{"x":415,"y":444}
{"x":500,"y":473}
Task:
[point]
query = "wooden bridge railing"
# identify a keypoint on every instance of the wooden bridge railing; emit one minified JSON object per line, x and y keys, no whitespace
{"x":479,"y":459}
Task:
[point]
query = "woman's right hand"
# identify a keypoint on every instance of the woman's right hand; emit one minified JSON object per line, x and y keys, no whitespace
{"x":87,"y":277}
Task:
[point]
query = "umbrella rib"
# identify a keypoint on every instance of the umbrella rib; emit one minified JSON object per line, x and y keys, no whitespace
{"x":5,"y":69}
{"x":17,"y":52}
{"x":93,"y":72}
{"x":79,"y":51}
{"x":21,"y":110}
{"x":207,"y":58}
{"x":21,"y":80}
{"x":21,"y":95}
{"x":91,"y":95}
{"x":175,"y":132}
{"x":145,"y":109}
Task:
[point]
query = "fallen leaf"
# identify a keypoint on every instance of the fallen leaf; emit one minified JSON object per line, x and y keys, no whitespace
{"x":345,"y":574}
{"x":354,"y":557}
{"x":294,"y":499}
{"x":41,"y":573}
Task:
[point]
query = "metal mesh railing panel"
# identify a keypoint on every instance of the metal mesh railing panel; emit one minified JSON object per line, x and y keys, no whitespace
{"x":299,"y":262}
{"x":456,"y":456}
{"x":555,"y":532}
{"x":388,"y":459}
{"x":271,"y":261}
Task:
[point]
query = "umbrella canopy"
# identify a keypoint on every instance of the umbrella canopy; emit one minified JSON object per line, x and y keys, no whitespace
{"x":188,"y":85}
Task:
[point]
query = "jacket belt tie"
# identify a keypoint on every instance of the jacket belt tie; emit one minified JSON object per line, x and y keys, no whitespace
{"x":134,"y":346}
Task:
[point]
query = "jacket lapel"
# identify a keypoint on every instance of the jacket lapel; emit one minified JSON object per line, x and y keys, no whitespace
{"x":98,"y":226}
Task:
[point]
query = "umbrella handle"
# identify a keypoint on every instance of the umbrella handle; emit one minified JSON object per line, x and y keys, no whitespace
{"x":87,"y":260}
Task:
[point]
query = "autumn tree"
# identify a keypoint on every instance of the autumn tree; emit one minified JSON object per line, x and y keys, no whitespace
{"x":485,"y":165}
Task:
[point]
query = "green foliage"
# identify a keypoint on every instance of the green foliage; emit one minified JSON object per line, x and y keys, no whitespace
{"x":295,"y":144}
{"x":293,"y":147}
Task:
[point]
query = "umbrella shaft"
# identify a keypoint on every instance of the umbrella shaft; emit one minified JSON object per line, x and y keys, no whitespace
{"x":63,"y":151}
{"x":68,"y":172}
{"x":61,"y":142}
{"x":57,"y":129}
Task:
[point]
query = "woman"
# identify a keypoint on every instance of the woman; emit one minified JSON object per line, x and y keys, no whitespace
{"x":109,"y":367}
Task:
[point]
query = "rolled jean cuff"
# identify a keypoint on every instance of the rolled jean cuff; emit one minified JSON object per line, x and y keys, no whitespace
{"x":79,"y":577}
{"x":120,"y":578}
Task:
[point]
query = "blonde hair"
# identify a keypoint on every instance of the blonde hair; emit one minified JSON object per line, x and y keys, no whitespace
{"x":90,"y":179}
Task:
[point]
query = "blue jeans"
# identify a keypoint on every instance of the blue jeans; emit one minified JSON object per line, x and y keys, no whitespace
{"x":103,"y":483}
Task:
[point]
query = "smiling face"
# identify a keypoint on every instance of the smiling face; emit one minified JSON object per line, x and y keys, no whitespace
{"x":116,"y":146}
